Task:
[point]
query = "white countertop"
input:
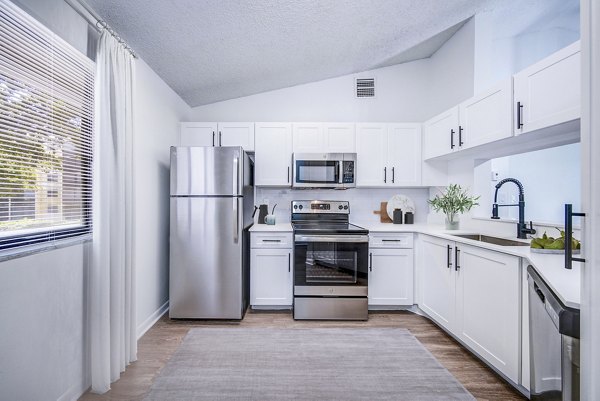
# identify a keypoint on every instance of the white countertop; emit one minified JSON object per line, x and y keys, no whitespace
{"x":566,"y":284}
{"x":279,"y":227}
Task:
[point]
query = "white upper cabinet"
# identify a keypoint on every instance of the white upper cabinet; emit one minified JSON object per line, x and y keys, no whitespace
{"x":486,"y":117}
{"x":324,"y":138}
{"x":198,"y":134}
{"x":440,"y":134}
{"x":308,"y":138}
{"x":549,"y":92}
{"x":237,"y":134}
{"x":482,"y":119}
{"x":217,"y":134}
{"x":273,"y":155}
{"x":404,"y":154}
{"x":388,"y":155}
{"x":371,"y":155}
{"x":339,"y":137}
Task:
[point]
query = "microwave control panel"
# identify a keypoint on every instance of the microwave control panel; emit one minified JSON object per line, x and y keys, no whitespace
{"x":348,"y":177}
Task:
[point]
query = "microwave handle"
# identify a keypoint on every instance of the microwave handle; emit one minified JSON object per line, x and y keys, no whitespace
{"x":340,"y":179}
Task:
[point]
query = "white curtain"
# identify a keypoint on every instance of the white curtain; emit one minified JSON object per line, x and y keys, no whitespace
{"x":112,"y":280}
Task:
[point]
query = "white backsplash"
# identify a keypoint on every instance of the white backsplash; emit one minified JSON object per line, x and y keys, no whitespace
{"x":363,"y":201}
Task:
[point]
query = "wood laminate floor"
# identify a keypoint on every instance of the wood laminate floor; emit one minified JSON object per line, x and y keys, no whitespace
{"x":158,"y":344}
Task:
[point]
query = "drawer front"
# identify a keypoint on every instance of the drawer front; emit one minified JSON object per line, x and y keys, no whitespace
{"x":390,"y":240}
{"x":270,"y":240}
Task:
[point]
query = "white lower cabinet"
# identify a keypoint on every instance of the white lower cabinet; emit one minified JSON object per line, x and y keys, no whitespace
{"x":437,"y":280}
{"x":271,"y":273}
{"x":487,"y":306}
{"x":391,"y":270}
{"x":474,"y":294}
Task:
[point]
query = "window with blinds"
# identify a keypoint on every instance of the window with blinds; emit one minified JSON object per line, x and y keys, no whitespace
{"x":46,"y":123}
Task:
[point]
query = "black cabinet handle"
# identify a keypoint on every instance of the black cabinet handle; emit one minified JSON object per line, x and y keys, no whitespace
{"x":460,"y":141}
{"x":456,"y":260}
{"x":519,"y":117}
{"x":449,"y":257}
{"x":288,"y":175}
{"x":569,"y":259}
{"x":393,"y":175}
{"x":451,"y":139}
{"x":271,"y":240}
{"x":391,"y":240}
{"x":220,"y":138}
{"x":213,"y":138}
{"x":289,"y":262}
{"x":385,"y":174}
{"x":370,"y":262}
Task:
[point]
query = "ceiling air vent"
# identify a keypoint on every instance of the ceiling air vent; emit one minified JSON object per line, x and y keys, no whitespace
{"x":365,"y":87}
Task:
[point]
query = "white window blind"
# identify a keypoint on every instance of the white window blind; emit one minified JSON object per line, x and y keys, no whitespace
{"x":46,"y":125}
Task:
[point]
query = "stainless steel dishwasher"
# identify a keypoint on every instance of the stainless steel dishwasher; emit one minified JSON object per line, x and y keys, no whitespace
{"x":553,"y":344}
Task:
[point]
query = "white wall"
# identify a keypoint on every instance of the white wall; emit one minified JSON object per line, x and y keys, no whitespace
{"x":43,"y":309}
{"x":551,"y":178}
{"x":451,"y":70}
{"x":400,"y":96}
{"x":158,"y":111}
{"x":363,"y":202}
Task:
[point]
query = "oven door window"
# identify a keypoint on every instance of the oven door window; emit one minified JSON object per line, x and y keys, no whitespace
{"x":317,"y":171}
{"x":327,"y":263}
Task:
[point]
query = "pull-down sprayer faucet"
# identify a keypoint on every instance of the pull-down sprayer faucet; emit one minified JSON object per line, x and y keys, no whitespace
{"x":522,"y":229}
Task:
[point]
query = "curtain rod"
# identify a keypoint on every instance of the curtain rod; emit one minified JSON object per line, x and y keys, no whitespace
{"x":97,"y":22}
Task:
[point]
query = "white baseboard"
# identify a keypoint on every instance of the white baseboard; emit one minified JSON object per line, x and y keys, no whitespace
{"x":76,"y":391}
{"x":153,"y":318}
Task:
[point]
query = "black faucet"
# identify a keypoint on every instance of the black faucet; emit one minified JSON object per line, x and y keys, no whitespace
{"x":522,"y":229}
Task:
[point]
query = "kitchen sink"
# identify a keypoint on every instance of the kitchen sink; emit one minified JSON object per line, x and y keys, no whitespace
{"x":492,"y":240}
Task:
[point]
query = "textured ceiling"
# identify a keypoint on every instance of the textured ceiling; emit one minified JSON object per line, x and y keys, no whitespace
{"x":213,"y":50}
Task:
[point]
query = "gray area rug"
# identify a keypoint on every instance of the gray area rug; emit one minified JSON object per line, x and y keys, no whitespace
{"x":262,"y":364}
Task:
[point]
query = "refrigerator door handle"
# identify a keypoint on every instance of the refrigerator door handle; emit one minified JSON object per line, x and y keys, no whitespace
{"x":236,"y":220}
{"x":236,"y":176}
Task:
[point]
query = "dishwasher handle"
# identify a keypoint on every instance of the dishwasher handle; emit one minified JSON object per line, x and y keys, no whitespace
{"x":539,"y":293}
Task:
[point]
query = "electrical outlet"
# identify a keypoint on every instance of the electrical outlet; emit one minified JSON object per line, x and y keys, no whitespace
{"x":495,"y":176}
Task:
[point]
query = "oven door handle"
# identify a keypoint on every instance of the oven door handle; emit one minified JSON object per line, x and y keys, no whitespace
{"x":331,"y":238}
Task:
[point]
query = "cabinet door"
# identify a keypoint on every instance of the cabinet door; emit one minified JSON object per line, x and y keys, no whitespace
{"x":440,"y":134}
{"x":437,"y":280}
{"x":549,"y":91}
{"x":487,"y":306}
{"x":339,"y":137}
{"x":404,"y":154}
{"x":237,"y":134}
{"x":308,"y":138}
{"x":391,"y":277}
{"x":271,"y":277}
{"x":486,"y":117}
{"x":371,"y":155}
{"x":273,"y":154}
{"x":198,"y":134}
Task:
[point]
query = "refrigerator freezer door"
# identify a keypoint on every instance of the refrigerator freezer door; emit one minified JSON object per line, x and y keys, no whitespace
{"x":206,"y":264}
{"x":206,"y":171}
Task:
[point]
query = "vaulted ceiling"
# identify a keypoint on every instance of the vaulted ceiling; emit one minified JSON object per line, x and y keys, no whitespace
{"x":213,"y":50}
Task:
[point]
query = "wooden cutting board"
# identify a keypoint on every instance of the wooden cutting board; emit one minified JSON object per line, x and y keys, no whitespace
{"x":382,"y":212}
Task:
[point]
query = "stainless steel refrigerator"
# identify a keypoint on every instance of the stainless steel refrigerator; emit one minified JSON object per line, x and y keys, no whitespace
{"x":212,"y":198}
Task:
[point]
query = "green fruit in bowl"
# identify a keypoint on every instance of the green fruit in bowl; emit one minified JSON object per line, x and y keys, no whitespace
{"x":546,"y":242}
{"x":557,"y":244}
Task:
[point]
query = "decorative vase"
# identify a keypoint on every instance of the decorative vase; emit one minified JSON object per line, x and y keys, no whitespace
{"x":452,"y":222}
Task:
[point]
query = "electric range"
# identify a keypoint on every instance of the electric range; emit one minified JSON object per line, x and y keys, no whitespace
{"x":330,"y":262}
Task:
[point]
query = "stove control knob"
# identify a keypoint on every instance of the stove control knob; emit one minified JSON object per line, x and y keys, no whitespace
{"x":346,"y":207}
{"x":295,"y":206}
{"x":340,"y":207}
{"x":300,"y":207}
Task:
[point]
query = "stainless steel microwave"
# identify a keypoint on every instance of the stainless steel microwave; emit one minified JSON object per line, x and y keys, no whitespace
{"x":324,"y":170}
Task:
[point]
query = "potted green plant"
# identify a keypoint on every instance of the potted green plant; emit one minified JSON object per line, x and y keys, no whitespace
{"x":452,"y":201}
